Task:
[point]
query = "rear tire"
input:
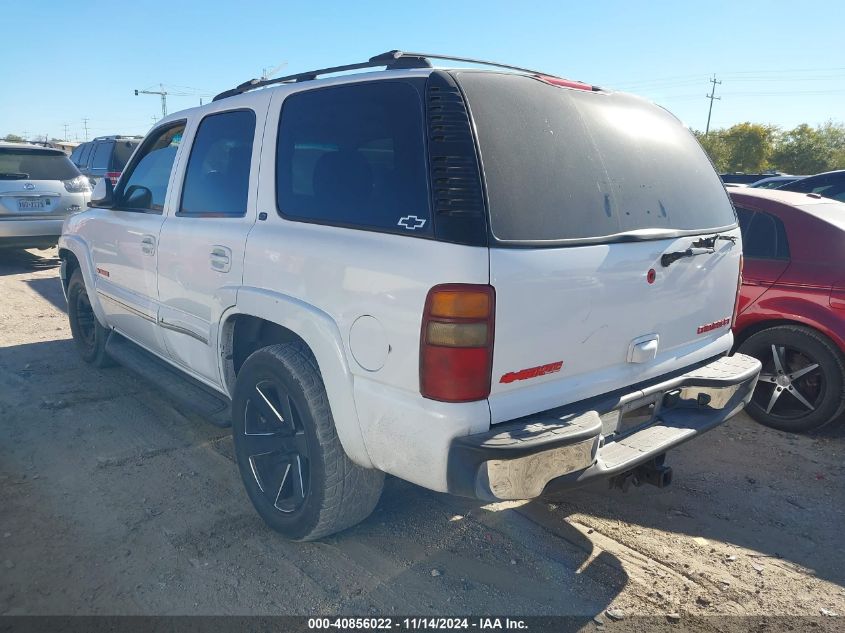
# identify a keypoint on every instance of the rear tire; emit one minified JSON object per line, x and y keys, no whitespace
{"x":90,"y":337}
{"x":802,"y":384}
{"x":292,"y":463}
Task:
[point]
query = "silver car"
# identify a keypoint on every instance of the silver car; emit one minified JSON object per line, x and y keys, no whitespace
{"x":39,"y":188}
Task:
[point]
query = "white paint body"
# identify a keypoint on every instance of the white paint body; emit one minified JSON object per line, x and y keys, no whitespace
{"x":579,"y":305}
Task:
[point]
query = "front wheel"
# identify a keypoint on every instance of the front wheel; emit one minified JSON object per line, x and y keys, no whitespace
{"x":802,"y":383}
{"x":89,"y":336}
{"x":293,"y":466}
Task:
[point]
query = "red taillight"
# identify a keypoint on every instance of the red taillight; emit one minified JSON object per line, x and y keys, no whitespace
{"x":113,"y":176}
{"x":566,"y":83}
{"x":738,"y":291}
{"x":456,"y":342}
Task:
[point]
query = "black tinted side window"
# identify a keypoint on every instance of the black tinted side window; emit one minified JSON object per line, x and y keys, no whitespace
{"x":146,"y":187}
{"x":217,"y":177}
{"x":86,"y":153}
{"x":102,"y":155}
{"x":763,"y":235}
{"x":75,"y":154}
{"x":354,"y":156}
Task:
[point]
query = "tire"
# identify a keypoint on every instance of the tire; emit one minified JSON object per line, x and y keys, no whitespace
{"x":794,"y":397}
{"x":293,"y":466}
{"x":90,"y":337}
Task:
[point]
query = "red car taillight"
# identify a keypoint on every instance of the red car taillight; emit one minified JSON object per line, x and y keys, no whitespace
{"x":738,"y":291}
{"x":456,"y":343}
{"x":113,"y":176}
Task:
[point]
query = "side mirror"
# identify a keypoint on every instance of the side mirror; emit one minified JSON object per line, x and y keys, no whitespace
{"x":103,"y":195}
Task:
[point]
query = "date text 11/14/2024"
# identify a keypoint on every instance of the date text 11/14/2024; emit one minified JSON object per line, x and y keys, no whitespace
{"x":421,"y":623}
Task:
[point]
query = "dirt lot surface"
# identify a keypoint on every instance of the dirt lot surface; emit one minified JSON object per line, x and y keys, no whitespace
{"x":113,"y":501}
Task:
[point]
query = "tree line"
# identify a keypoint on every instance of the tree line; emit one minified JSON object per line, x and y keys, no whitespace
{"x":754,"y":147}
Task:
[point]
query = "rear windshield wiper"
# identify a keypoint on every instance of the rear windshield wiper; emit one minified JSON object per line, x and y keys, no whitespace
{"x":13,"y":175}
{"x":702,"y":246}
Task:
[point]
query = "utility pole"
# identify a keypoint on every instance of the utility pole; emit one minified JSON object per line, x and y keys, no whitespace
{"x":85,"y":123}
{"x":711,"y":96}
{"x":156,"y":92}
{"x":65,"y":136}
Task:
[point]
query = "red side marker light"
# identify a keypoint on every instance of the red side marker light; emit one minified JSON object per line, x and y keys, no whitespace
{"x":651,"y":276}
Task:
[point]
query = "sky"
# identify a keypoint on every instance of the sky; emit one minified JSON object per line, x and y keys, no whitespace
{"x":780,"y":63}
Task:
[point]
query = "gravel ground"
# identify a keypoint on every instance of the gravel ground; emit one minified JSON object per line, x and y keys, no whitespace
{"x":114,"y":501}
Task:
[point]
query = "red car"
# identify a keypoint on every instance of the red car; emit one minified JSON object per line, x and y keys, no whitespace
{"x":791,"y":312}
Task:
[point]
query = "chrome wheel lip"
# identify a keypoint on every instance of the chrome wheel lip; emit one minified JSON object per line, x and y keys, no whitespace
{"x":276,"y":447}
{"x":781,"y":385}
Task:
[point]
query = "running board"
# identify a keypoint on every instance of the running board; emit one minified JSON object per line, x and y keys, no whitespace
{"x":203,"y":400}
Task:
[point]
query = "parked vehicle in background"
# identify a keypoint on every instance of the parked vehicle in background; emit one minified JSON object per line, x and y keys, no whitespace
{"x":440,"y":274}
{"x":104,"y":157}
{"x":792,"y":306}
{"x":39,"y":188}
{"x":741,"y":178}
{"x":773,"y":182}
{"x":830,"y":184}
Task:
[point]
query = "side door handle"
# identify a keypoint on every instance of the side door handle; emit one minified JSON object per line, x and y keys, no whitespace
{"x":148,"y":245}
{"x":221,"y":258}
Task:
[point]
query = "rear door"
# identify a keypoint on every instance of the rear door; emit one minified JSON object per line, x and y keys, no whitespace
{"x":586,"y":192}
{"x":201,"y":251}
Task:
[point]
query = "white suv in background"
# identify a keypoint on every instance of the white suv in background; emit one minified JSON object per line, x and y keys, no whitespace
{"x":490,"y":283}
{"x":39,"y":187}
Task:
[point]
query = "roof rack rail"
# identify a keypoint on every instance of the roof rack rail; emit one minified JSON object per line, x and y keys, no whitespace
{"x":391,"y":60}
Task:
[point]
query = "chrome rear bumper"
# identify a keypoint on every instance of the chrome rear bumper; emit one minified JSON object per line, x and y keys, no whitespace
{"x":602,"y":437}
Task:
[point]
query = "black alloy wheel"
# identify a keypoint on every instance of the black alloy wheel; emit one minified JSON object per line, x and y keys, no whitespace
{"x":276,"y":447}
{"x":801,"y":383}
{"x":292,"y":463}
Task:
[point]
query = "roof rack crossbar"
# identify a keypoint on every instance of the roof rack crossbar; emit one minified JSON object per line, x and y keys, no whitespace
{"x":392,"y":60}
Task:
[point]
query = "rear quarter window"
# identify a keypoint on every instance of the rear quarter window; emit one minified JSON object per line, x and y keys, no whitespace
{"x":121,"y":154}
{"x":102,"y":155}
{"x":763,"y":235}
{"x":571,"y":165}
{"x":354,"y":156}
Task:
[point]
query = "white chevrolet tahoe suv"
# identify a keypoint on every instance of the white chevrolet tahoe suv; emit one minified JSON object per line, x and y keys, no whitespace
{"x":494,"y":283}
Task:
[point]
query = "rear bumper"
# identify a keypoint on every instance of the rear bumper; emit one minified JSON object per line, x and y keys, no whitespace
{"x":577,"y":444}
{"x":41,"y":232}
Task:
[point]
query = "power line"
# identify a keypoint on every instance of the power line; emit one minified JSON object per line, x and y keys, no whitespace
{"x":712,"y":96}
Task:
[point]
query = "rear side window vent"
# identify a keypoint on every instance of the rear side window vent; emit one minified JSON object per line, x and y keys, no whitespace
{"x":457,"y":195}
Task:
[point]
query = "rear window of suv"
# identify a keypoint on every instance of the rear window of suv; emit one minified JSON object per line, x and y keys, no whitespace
{"x":35,"y":164}
{"x":563,"y":164}
{"x":122,"y":152}
{"x":354,"y":156}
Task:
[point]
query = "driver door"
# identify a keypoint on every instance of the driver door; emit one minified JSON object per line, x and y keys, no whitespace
{"x":124,"y":239}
